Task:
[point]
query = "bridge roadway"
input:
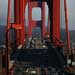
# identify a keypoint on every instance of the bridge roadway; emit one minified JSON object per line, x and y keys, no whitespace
{"x":40,"y":57}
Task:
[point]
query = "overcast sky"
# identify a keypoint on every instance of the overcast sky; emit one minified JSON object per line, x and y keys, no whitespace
{"x":71,"y":13}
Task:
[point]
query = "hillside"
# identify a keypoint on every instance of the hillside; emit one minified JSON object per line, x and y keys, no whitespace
{"x":72,"y":35}
{"x":2,"y":34}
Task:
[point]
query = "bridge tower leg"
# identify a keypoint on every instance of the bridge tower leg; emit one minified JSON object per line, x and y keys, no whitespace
{"x":56,"y":19}
{"x":19,"y":17}
{"x":54,"y":12}
{"x":19,"y":12}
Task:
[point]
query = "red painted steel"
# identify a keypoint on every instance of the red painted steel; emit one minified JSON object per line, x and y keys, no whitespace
{"x":31,"y":23}
{"x":18,"y":25}
{"x":7,"y":41}
{"x":19,"y":12}
{"x":66,"y":22}
{"x":56,"y":19}
{"x":19,"y":19}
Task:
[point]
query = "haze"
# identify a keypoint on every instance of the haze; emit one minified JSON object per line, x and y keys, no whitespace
{"x":71,"y":13}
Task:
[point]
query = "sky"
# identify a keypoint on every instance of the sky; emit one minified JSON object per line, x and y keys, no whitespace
{"x":71,"y":13}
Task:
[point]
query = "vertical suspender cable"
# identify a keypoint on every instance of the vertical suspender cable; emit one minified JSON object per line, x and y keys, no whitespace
{"x":7,"y":39}
{"x":66,"y":22}
{"x":67,"y":32}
